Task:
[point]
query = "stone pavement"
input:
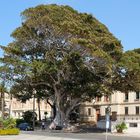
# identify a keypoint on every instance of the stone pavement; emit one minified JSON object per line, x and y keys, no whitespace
{"x":32,"y":137}
{"x":126,"y":134}
{"x":45,"y":135}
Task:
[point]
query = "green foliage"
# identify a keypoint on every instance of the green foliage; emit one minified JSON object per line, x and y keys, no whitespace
{"x":28,"y":116}
{"x":19,"y":121}
{"x":56,"y":43}
{"x":7,"y":123}
{"x":13,"y":131}
{"x":2,"y":88}
{"x":128,"y":72}
{"x":61,"y":53}
{"x":121,"y":127}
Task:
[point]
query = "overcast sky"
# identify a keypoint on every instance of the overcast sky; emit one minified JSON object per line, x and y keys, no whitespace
{"x":122,"y":17}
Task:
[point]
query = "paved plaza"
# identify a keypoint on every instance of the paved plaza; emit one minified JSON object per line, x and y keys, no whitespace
{"x":44,"y":135}
{"x":32,"y":137}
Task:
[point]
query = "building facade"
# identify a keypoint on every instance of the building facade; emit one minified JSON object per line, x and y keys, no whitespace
{"x":124,"y":107}
{"x":15,"y":108}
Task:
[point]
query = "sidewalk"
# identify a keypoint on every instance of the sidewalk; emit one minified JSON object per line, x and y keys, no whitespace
{"x":125,"y":134}
{"x":91,"y":132}
{"x":32,"y":137}
{"x":69,"y":136}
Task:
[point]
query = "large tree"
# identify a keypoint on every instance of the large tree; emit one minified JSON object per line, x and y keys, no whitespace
{"x":72,"y":55}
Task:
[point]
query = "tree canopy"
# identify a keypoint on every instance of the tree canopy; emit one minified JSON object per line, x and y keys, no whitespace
{"x":68,"y":56}
{"x":128,"y":71}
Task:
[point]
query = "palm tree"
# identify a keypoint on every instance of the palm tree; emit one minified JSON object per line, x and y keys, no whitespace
{"x":2,"y":98}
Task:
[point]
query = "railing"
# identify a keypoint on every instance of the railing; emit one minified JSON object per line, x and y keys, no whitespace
{"x":126,"y":100}
{"x":128,"y":117}
{"x":122,"y":118}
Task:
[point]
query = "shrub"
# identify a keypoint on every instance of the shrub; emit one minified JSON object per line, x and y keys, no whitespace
{"x":28,"y":116}
{"x":19,"y":121}
{"x":121,"y":127}
{"x":9,"y":123}
{"x":13,"y":131}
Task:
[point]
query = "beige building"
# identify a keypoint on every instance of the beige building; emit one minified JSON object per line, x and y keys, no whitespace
{"x":123,"y":107}
{"x":15,"y":108}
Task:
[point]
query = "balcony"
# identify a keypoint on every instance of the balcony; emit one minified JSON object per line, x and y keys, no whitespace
{"x":126,"y":100}
{"x":137,"y":100}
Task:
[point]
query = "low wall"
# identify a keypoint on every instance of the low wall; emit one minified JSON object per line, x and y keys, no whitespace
{"x":131,"y":125}
{"x":102,"y":124}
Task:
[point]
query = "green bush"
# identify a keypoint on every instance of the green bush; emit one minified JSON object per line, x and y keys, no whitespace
{"x":28,"y":116}
{"x":13,"y":131}
{"x":121,"y":127}
{"x":9,"y":123}
{"x":19,"y":121}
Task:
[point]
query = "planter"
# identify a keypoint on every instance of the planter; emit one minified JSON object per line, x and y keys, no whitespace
{"x":119,"y":131}
{"x":121,"y":127}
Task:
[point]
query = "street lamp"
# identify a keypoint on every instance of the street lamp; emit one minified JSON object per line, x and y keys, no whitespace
{"x":108,"y":110}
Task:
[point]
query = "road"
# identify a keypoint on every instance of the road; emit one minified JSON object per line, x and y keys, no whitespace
{"x":45,"y":135}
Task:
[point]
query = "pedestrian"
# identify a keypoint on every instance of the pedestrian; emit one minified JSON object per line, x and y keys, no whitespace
{"x":43,"y":125}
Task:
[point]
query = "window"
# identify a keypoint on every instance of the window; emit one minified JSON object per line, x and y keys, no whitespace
{"x":89,"y":111}
{"x":126,"y":96}
{"x":137,"y":95}
{"x":126,"y":110}
{"x":15,"y":114}
{"x":137,"y":110}
{"x":98,"y":99}
{"x":106,"y":98}
{"x":114,"y":116}
{"x":133,"y":125}
{"x":19,"y":115}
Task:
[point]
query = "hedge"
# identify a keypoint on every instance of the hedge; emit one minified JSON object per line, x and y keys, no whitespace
{"x":13,"y":131}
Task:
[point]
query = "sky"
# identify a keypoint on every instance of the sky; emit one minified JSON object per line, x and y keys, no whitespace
{"x":122,"y":17}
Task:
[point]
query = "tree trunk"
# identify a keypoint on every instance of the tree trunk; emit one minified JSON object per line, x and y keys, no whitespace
{"x":61,"y":119}
{"x":53,"y":107}
{"x":54,"y":110}
{"x":2,"y":105}
{"x":62,"y":111}
{"x":39,"y":113}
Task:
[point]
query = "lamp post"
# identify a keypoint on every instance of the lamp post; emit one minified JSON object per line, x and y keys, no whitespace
{"x":108,"y":110}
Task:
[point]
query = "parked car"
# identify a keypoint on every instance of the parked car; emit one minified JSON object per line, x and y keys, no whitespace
{"x":25,"y":126}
